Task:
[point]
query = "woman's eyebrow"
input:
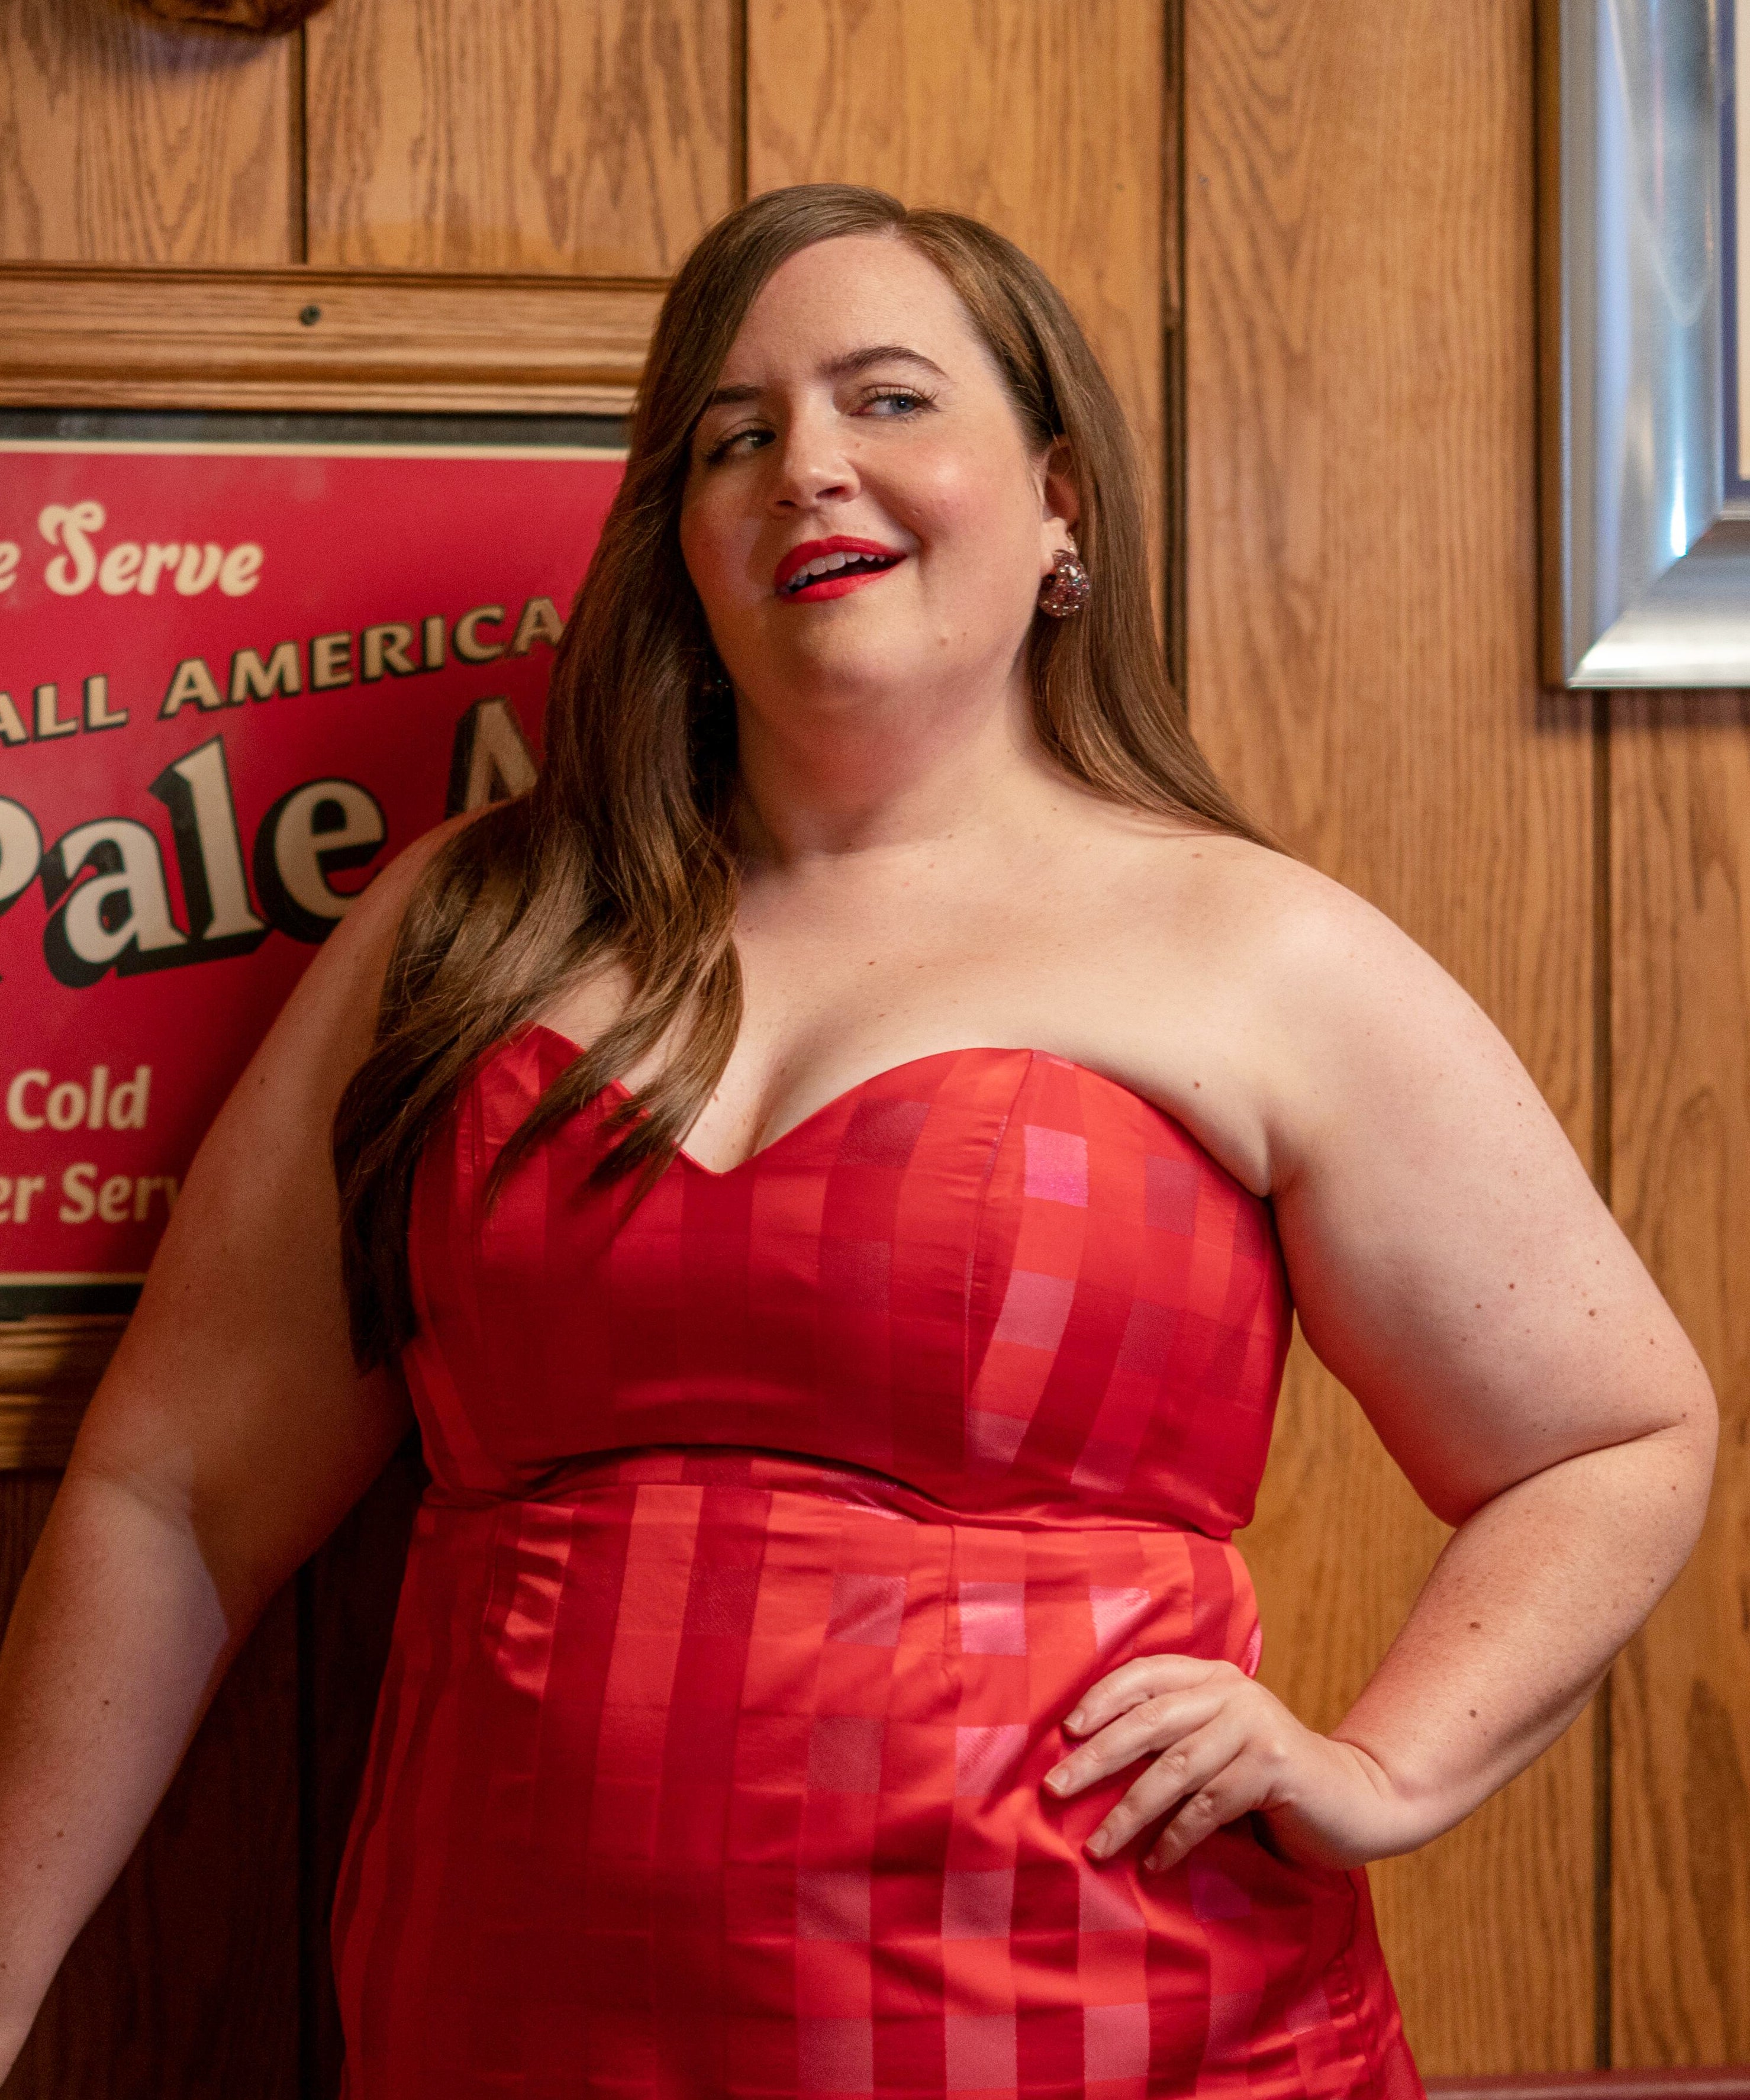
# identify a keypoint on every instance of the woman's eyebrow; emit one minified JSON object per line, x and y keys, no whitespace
{"x":881,"y":353}
{"x":840,"y":368}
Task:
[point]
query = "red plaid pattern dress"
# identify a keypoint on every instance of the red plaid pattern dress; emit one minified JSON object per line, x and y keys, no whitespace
{"x":774,"y":1525}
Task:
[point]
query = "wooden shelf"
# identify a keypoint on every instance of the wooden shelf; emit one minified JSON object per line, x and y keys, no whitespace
{"x":380,"y":341}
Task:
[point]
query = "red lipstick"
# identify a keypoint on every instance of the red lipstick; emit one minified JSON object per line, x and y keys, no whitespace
{"x":864,"y":561}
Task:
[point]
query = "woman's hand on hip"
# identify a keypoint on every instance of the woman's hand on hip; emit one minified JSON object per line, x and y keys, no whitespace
{"x":1219,"y":1746}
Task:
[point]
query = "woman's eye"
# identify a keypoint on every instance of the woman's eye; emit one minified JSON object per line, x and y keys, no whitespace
{"x":886,"y":402}
{"x":743,"y":440}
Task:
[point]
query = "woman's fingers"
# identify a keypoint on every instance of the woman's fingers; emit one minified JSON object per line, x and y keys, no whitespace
{"x":1223,"y":1798}
{"x":1218,"y":1745}
{"x":1156,"y":1724}
{"x":1184,"y":1774}
{"x":1144,"y":1678}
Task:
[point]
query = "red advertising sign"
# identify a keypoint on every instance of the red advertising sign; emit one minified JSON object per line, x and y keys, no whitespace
{"x":238,"y":672}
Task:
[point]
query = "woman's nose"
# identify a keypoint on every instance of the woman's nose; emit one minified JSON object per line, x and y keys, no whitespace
{"x":811,"y":465}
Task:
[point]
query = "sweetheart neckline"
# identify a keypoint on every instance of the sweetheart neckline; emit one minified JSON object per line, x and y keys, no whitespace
{"x":891,"y":1071}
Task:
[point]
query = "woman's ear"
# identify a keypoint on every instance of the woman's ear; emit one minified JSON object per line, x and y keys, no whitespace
{"x":1062,"y":505}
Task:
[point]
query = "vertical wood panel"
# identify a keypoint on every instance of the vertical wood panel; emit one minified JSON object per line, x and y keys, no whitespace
{"x":526,"y":135}
{"x":185,"y":1982}
{"x":1362,"y":667}
{"x":1046,"y":121}
{"x":1173,"y":338}
{"x":123,"y":141}
{"x":1680,"y":829}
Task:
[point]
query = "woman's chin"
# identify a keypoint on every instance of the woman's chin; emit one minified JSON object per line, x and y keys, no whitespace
{"x":841,"y":669}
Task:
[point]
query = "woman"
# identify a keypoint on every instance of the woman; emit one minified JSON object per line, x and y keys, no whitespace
{"x":831,"y":1166}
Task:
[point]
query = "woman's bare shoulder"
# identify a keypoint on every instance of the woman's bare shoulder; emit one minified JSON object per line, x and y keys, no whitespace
{"x":1310,"y":1002}
{"x":374,"y":921}
{"x":1257,"y":929}
{"x":1268,"y":922}
{"x":1361,"y":1029}
{"x":333,"y":1006}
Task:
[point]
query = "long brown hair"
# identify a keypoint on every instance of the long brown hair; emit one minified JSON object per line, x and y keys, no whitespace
{"x":620,"y":854}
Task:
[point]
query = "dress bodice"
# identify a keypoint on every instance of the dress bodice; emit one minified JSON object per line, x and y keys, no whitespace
{"x":777,"y":1520}
{"x":993,"y":1276}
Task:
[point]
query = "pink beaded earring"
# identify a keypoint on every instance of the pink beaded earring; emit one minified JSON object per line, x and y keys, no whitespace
{"x":1067,"y":589}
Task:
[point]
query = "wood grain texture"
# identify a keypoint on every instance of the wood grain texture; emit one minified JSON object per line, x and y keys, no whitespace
{"x":234,"y":339}
{"x":185,"y":1980}
{"x":49,"y":1368}
{"x":123,"y":140}
{"x":1680,"y":833}
{"x":36,"y":1430}
{"x":527,"y":135}
{"x":1044,"y":119}
{"x":1361,"y":584}
{"x":1173,"y":344}
{"x":1552,"y":563}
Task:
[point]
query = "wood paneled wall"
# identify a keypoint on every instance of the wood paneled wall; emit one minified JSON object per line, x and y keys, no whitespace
{"x":124,"y":141}
{"x":1678,"y":801}
{"x":526,"y":135}
{"x":1316,"y":223}
{"x":1361,"y":515}
{"x":1361,"y":553}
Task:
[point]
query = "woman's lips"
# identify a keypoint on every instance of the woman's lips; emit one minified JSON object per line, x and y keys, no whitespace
{"x":829,"y":568}
{"x":837,"y":584}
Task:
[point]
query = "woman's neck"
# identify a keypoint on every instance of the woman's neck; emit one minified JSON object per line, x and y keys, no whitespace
{"x":816,"y":784}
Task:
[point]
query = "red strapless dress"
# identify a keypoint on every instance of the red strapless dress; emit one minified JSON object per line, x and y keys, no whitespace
{"x":773,"y":1529}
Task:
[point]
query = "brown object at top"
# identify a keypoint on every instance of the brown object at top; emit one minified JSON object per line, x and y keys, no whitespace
{"x":264,"y":18}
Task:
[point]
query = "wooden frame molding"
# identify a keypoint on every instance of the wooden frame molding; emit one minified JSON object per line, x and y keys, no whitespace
{"x":314,"y":339}
{"x":49,"y":1368}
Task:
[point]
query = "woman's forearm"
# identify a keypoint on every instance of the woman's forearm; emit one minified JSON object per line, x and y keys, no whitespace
{"x":1535,"y":1593}
{"x":1515,"y":1626}
{"x":118,"y":1639}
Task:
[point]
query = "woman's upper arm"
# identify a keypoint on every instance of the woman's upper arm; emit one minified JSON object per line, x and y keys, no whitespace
{"x":233,"y":1399}
{"x":1450,"y":1259}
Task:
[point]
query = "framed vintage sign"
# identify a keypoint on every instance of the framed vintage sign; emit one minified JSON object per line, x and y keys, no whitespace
{"x":1645,"y":344}
{"x":244,"y":659}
